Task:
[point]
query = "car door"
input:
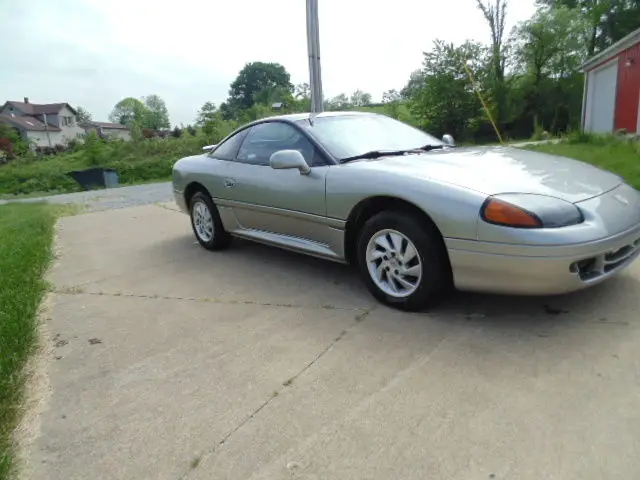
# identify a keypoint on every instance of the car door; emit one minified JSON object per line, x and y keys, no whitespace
{"x":217,"y":168}
{"x":280,"y":202}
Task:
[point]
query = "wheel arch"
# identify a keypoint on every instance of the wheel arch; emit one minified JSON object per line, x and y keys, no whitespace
{"x":371,"y":206}
{"x":191,"y":190}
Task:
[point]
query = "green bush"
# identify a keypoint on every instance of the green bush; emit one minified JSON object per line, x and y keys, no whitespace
{"x":135,"y":161}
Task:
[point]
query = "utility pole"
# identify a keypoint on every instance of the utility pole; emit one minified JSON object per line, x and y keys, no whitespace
{"x":313,"y":45}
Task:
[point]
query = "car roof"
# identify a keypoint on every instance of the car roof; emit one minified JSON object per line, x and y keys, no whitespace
{"x":303,"y":116}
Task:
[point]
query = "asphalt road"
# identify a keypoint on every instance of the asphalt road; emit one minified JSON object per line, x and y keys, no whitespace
{"x":165,"y":361}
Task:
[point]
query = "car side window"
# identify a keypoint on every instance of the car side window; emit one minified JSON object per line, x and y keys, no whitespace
{"x":227,"y":149}
{"x":267,"y":138}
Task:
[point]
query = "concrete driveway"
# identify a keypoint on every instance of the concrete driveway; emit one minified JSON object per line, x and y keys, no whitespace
{"x":170,"y":362}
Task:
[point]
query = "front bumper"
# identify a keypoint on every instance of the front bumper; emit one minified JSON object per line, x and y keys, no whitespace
{"x":534,"y":270}
{"x":180,"y":200}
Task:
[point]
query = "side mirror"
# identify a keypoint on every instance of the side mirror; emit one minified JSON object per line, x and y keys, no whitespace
{"x":286,"y":159}
{"x":208,"y":148}
{"x":448,"y":140}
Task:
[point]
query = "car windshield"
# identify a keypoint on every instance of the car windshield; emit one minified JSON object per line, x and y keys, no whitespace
{"x":350,"y":135}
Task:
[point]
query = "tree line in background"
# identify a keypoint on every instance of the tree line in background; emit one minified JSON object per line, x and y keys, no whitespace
{"x":530,"y":78}
{"x":527,"y":81}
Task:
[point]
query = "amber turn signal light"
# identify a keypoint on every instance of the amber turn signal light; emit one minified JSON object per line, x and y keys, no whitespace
{"x":503,"y":213}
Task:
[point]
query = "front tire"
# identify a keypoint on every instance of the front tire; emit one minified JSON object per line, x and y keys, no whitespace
{"x":403,"y":263}
{"x":206,"y":223}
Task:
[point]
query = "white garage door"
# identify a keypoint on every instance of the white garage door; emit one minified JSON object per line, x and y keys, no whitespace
{"x":602,"y":99}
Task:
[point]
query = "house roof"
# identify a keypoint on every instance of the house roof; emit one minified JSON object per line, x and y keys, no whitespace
{"x":39,"y":109}
{"x":27,"y":122}
{"x":113,"y":126}
{"x":629,"y":41}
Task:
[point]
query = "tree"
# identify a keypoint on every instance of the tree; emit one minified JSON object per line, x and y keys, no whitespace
{"x":270,"y":95}
{"x":8,"y":138}
{"x":549,"y":48}
{"x":360,"y":99}
{"x":609,"y":20}
{"x":391,"y":100}
{"x":227,"y":112}
{"x":416,"y":81}
{"x":82,"y":115}
{"x":129,"y":111}
{"x":253,"y":79}
{"x":446,"y":102}
{"x":302,"y":95}
{"x":495,"y":15}
{"x":391,"y":96}
{"x":156,"y":115}
{"x":302,"y":91}
{"x":208,"y":112}
{"x":12,"y":143}
{"x":339,"y":102}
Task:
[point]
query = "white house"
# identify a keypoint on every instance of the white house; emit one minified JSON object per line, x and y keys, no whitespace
{"x":43,"y":125}
{"x":106,"y":129}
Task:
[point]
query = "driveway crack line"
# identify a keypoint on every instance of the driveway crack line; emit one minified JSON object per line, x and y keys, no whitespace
{"x":78,"y":291}
{"x":420,"y":362}
{"x":359,"y":318}
{"x":160,"y":205}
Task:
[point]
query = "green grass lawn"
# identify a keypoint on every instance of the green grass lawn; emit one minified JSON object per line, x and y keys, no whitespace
{"x":26,"y":233}
{"x":616,"y":155}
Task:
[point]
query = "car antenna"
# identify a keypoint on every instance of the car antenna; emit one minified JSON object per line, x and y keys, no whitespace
{"x":312,"y":117}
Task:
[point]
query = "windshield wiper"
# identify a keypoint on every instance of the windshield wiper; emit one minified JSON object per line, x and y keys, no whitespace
{"x":390,"y":153}
{"x":428,"y":148}
{"x":375,"y":154}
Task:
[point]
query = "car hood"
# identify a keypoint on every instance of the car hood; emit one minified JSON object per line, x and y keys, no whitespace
{"x":493,"y":170}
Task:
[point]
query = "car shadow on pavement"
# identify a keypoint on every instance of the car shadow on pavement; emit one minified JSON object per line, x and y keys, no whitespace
{"x":253,"y":259}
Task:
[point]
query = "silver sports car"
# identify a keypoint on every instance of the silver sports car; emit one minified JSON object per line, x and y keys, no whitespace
{"x":415,"y":214}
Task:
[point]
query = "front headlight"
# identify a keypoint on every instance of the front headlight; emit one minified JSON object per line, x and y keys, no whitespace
{"x":527,"y":210}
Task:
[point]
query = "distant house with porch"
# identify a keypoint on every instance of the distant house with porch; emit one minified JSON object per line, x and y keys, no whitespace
{"x":42,"y":125}
{"x":106,"y":129}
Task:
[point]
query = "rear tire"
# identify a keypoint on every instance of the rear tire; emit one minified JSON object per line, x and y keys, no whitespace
{"x":403,"y":263}
{"x":206,"y":223}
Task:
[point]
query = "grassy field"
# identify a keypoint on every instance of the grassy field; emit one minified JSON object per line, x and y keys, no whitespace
{"x":26,"y":233}
{"x":615,"y":154}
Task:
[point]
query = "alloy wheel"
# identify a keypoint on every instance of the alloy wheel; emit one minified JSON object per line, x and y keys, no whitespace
{"x":394,"y":263}
{"x":202,"y":221}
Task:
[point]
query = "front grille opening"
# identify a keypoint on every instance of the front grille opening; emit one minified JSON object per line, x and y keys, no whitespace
{"x":612,"y":266}
{"x":586,"y":269}
{"x":621,"y":256}
{"x":621,"y":253}
{"x":590,"y":268}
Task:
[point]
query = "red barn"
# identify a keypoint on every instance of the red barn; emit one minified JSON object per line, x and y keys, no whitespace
{"x":612,"y":88}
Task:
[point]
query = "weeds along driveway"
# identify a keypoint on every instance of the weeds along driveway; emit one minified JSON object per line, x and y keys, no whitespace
{"x":170,"y":362}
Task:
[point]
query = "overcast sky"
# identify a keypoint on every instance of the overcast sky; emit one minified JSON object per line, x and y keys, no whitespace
{"x":93,"y":53}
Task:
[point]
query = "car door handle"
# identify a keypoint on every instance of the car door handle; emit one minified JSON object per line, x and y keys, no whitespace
{"x":229,"y":183}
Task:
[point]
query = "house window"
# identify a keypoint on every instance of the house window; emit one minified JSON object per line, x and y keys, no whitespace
{"x":67,"y":121}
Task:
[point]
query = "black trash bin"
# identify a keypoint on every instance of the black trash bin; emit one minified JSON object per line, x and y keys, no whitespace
{"x":96,"y":177}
